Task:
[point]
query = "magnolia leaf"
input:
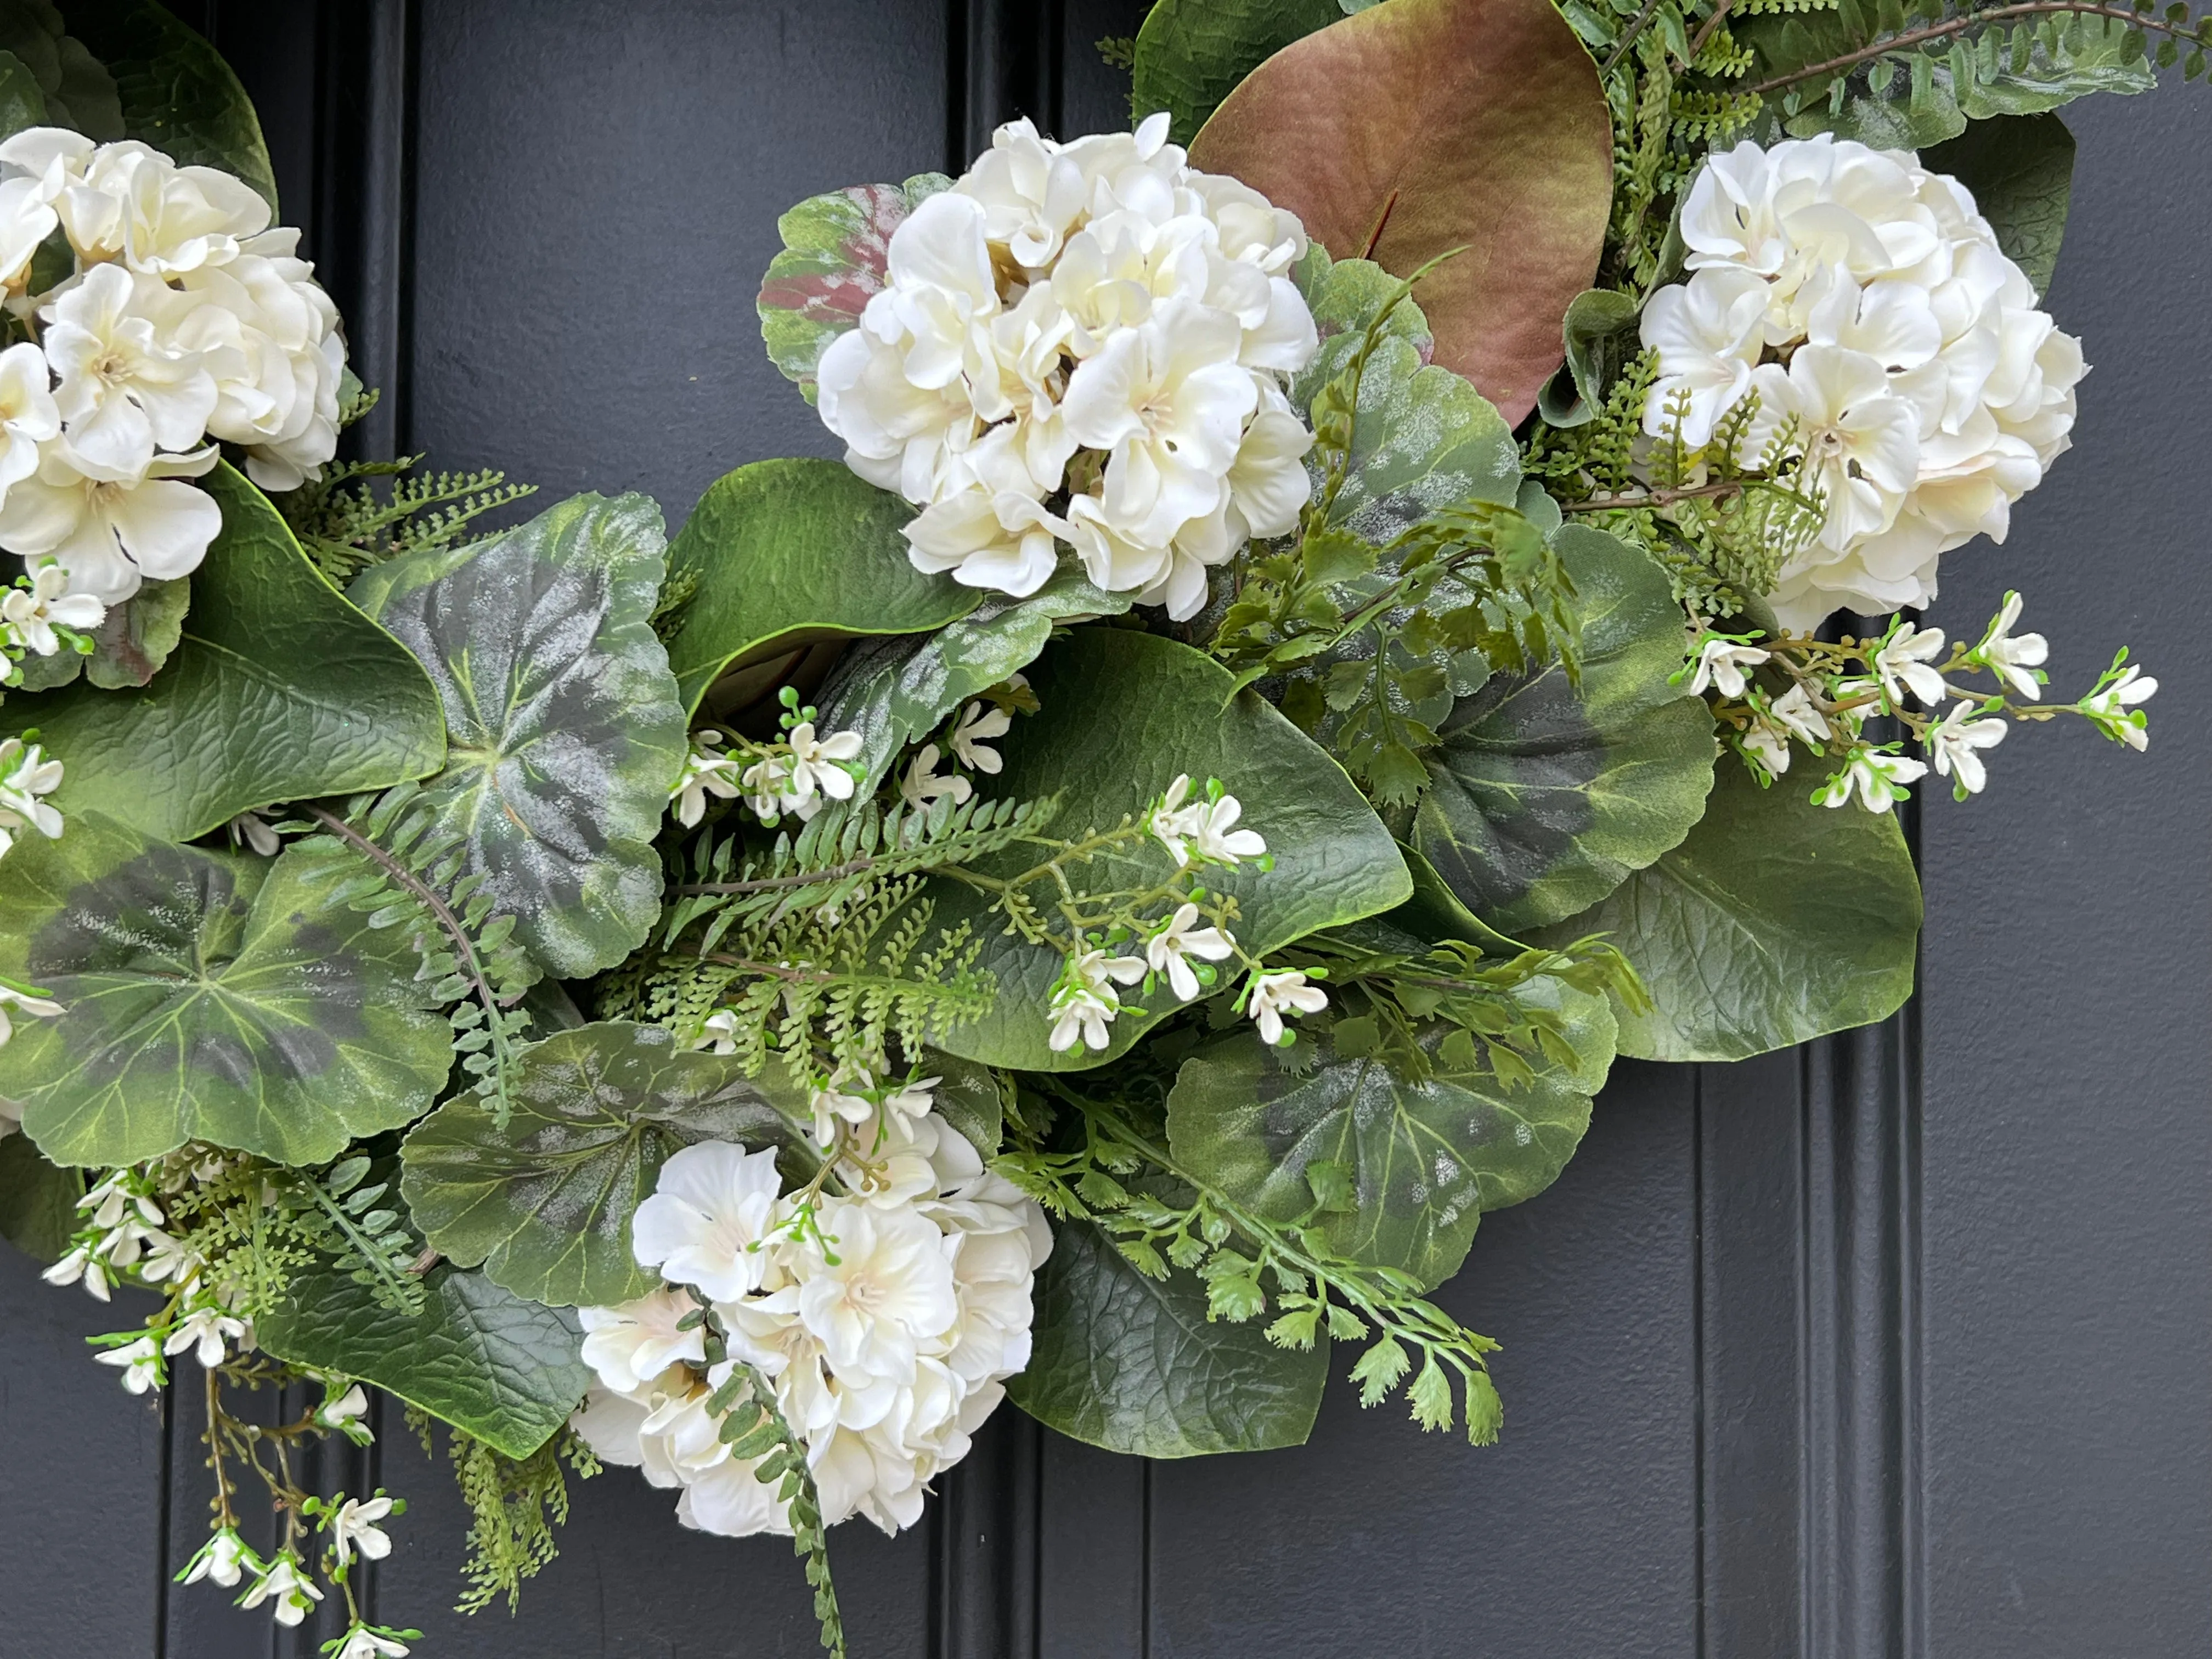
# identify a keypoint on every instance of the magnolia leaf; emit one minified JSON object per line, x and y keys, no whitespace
{"x":1122,"y":715}
{"x":895,"y":691}
{"x":1599,"y":336}
{"x":1423,"y":126}
{"x":567,"y":733}
{"x":207,"y":996}
{"x":1424,"y":1159}
{"x":176,"y":93}
{"x":1192,"y":53}
{"x":38,"y":1201}
{"x":1136,"y":1365}
{"x":1422,"y":437}
{"x":279,"y":690}
{"x":493,"y":1365}
{"x":544,"y":1203}
{"x":2020,"y":169}
{"x":1776,"y":921}
{"x":782,"y":555}
{"x":1545,"y":794}
{"x":75,"y":88}
{"x":836,"y":250}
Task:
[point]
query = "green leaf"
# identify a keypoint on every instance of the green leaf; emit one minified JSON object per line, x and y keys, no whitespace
{"x":894,"y":690}
{"x":1425,"y":1159}
{"x":544,"y":1203}
{"x":1192,"y":53}
{"x":279,"y":690}
{"x":21,"y":104}
{"x":176,"y":92}
{"x":1600,"y":334}
{"x":566,"y":731}
{"x":836,"y":250}
{"x":785,"y":555}
{"x":2020,"y":169}
{"x":1475,"y":125}
{"x":75,"y":88}
{"x":38,"y":1201}
{"x":130,"y":646}
{"x":1546,"y":795}
{"x":969,"y":1097}
{"x":1775,"y":922}
{"x":206,"y":996}
{"x":1133,"y":1363}
{"x":1423,"y":438}
{"x":504,"y":1368}
{"x":1122,"y":714}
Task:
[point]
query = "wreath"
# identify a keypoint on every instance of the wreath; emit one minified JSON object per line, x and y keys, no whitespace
{"x":1344,"y":607}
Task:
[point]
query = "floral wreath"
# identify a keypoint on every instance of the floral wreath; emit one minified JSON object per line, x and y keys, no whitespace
{"x":1324,"y":634}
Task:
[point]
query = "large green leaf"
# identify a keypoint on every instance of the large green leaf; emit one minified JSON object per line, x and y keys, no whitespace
{"x":176,"y":93}
{"x":1422,"y":438}
{"x":21,"y":104}
{"x":1545,"y":794}
{"x":280,"y":690}
{"x":38,"y":1199}
{"x":1775,"y":922}
{"x":892,"y":691}
{"x":1423,"y":126}
{"x":2020,"y":169}
{"x":1135,"y":1365}
{"x":1192,"y":53}
{"x":506,"y":1370}
{"x":75,"y":88}
{"x":1424,"y":1159}
{"x":1122,"y":714}
{"x":544,"y":1203}
{"x":567,"y":734}
{"x":836,"y":250}
{"x":781,"y":555}
{"x":206,"y":996}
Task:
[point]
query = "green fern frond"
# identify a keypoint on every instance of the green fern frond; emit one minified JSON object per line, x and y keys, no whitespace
{"x":344,"y":521}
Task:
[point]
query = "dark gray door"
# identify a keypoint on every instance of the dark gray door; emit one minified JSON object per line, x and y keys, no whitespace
{"x":1895,"y":1346}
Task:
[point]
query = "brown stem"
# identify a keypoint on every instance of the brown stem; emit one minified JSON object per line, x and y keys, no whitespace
{"x":1705,"y":29}
{"x":1650,"y":498}
{"x":1961,"y":24}
{"x":1628,"y":37}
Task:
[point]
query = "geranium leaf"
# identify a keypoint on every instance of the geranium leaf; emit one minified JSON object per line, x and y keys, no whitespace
{"x":1422,"y":438}
{"x":2020,"y":169}
{"x":893,"y":691}
{"x":279,"y":690}
{"x":497,"y":1365}
{"x":1545,"y":794}
{"x":176,"y":93}
{"x":22,"y":103}
{"x":1135,"y":1364}
{"x":1426,"y":1159}
{"x":782,"y":555}
{"x":206,"y":996}
{"x":38,"y":1199}
{"x":1192,"y":53}
{"x":566,"y":733}
{"x":1122,"y":714}
{"x":835,"y":248}
{"x":1424,"y":127}
{"x":1775,"y":922}
{"x":544,"y":1202}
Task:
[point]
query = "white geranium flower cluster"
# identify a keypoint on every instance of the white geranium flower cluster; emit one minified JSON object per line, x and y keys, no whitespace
{"x":185,"y":320}
{"x":885,"y":1325}
{"x":1083,"y":343}
{"x":1863,"y":297}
